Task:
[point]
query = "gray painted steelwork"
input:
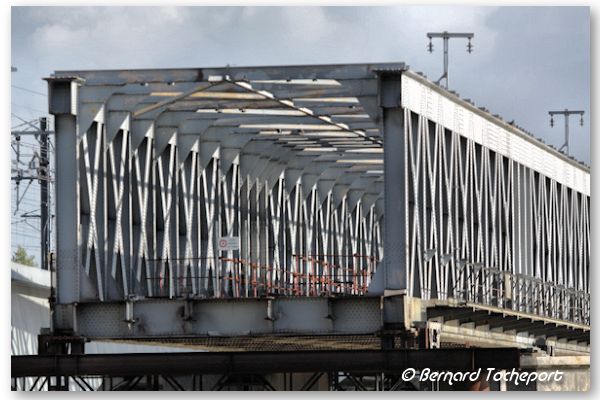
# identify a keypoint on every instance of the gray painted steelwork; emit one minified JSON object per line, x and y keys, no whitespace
{"x":493,"y":220}
{"x":229,"y":317}
{"x":154,"y":166}
{"x":365,"y":361}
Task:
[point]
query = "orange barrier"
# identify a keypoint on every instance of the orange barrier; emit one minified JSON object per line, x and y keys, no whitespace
{"x":311,"y":276}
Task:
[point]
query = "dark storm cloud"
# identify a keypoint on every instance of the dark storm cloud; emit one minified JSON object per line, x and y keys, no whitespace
{"x":527,"y":60}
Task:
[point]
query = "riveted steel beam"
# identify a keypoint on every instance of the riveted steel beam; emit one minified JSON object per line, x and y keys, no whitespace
{"x":365,"y":361}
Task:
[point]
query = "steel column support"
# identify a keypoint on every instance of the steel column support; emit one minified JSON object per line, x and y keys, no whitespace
{"x":394,"y":181}
{"x":45,"y":213}
{"x":67,"y":232}
{"x":63,"y":104}
{"x":67,"y":208}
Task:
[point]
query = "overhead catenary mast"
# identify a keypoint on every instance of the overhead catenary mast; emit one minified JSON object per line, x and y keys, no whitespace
{"x":566,"y":113}
{"x":446,"y":36}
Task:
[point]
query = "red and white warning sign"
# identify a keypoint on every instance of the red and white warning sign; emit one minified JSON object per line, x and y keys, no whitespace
{"x":229,"y":243}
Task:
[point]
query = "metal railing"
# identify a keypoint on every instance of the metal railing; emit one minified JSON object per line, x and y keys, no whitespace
{"x":490,"y":286}
{"x":318,"y":275}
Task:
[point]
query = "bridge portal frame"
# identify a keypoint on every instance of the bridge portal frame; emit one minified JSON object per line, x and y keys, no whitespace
{"x":112,"y":107}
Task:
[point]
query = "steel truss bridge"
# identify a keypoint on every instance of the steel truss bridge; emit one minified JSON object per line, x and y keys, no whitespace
{"x":365,"y":199}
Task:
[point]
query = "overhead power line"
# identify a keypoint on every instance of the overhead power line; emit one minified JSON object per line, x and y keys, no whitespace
{"x":29,"y":90}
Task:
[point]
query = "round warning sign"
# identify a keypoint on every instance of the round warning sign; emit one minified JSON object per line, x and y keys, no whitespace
{"x":229,"y":243}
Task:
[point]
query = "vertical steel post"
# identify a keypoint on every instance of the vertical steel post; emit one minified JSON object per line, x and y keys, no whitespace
{"x":67,"y":208}
{"x":19,"y":173}
{"x":566,"y":145}
{"x":394,"y":180}
{"x":446,"y":74}
{"x":63,"y":105}
{"x":44,"y":195}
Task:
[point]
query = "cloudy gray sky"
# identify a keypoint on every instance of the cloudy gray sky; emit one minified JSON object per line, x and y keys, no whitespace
{"x":527,"y":60}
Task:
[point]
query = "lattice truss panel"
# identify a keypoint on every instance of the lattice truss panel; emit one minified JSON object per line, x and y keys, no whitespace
{"x":288,"y":161}
{"x":483,"y":223}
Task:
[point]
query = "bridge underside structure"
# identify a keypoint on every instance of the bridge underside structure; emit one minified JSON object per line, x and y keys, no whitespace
{"x":364,"y":198}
